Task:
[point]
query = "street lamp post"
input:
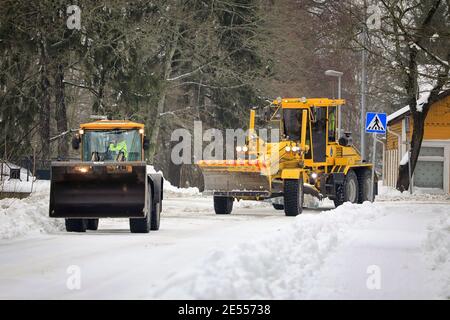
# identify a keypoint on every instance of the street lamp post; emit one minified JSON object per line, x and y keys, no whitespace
{"x":338,"y":74}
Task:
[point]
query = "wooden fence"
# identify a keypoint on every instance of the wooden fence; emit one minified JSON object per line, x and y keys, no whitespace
{"x":390,"y":167}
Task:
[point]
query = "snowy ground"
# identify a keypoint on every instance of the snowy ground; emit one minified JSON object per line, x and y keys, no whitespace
{"x":396,"y":248}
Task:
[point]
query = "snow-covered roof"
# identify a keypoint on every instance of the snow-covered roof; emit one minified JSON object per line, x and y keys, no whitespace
{"x":397,"y":113}
{"x":423,"y":99}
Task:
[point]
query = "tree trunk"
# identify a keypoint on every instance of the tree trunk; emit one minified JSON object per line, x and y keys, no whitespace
{"x":162,"y":99}
{"x":60,"y":112}
{"x":44,"y":114}
{"x":98,"y":108}
{"x":155,"y":127}
{"x":416,"y":143}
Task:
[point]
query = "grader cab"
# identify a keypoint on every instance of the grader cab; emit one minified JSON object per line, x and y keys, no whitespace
{"x":308,"y":157}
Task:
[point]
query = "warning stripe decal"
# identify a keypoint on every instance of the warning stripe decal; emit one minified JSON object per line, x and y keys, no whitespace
{"x":234,"y":163}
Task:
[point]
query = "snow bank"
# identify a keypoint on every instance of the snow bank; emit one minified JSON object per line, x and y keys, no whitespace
{"x":387,"y":193}
{"x":274,"y":267}
{"x":437,"y":251}
{"x":27,"y":216}
{"x":24,"y":186}
{"x":172,"y":190}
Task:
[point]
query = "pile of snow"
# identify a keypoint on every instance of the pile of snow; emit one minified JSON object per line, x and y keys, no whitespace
{"x":274,"y":267}
{"x":27,"y":216}
{"x":386,"y":193}
{"x":437,"y":249}
{"x":23,"y":217}
{"x":24,"y":186}
{"x":172,"y":190}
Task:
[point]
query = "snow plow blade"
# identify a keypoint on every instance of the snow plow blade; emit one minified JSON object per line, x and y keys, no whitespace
{"x":235,"y":179}
{"x":97,"y":190}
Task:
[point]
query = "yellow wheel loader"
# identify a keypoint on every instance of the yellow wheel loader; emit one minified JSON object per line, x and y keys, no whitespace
{"x":110,"y":181}
{"x":307,"y":158}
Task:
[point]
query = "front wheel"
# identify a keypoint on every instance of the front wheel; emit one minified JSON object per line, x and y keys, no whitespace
{"x":365,"y":184}
{"x":76,"y":225}
{"x":223,"y":205}
{"x":349,"y":191}
{"x":155,"y":217}
{"x":140,"y":225}
{"x":293,"y":197}
{"x":92,"y":224}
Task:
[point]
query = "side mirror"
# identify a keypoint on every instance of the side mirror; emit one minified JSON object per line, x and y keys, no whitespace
{"x":146,"y":144}
{"x":76,"y":142}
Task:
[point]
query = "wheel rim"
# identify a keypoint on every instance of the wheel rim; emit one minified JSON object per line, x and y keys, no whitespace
{"x":351,"y":191}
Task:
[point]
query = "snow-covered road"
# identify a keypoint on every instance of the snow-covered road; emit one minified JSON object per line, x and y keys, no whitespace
{"x":117,"y":264}
{"x":256,"y":252}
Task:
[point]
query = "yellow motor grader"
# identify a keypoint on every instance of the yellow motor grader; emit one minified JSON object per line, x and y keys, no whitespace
{"x":110,"y":181}
{"x":308,"y":158}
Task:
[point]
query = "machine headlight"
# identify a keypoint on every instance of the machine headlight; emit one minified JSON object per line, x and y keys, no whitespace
{"x":314,"y":175}
{"x":141,"y":131}
{"x":296,"y":149}
{"x":81,"y":169}
{"x":244,"y":148}
{"x":288,"y":148}
{"x":81,"y":131}
{"x":238,"y":148}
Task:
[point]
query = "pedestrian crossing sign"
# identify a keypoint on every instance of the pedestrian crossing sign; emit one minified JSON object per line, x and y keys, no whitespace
{"x":376,"y":122}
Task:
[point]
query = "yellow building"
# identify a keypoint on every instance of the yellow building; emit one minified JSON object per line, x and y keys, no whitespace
{"x":433,"y":167}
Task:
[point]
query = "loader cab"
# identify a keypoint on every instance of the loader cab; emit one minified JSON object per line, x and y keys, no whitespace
{"x":111,"y":145}
{"x":107,"y":141}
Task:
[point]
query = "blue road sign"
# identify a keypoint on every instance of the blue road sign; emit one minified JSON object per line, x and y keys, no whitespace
{"x":376,"y":122}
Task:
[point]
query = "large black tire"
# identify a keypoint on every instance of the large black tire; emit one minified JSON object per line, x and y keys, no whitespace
{"x":349,"y":191}
{"x":293,"y":197}
{"x":155,"y":218}
{"x":223,"y":205}
{"x":76,"y":225}
{"x":140,"y":225}
{"x":143,"y":225}
{"x":92,"y":224}
{"x":364,"y":182}
{"x":278,"y":206}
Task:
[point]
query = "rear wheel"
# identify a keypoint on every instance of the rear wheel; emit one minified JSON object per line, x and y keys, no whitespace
{"x":92,"y":224}
{"x":223,"y":205}
{"x":349,"y":191}
{"x":365,"y":183}
{"x":293,"y":197}
{"x":76,"y":225}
